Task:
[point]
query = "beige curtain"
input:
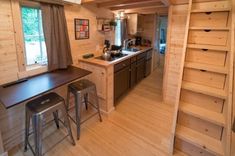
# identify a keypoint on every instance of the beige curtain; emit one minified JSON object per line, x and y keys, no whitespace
{"x":56,"y":36}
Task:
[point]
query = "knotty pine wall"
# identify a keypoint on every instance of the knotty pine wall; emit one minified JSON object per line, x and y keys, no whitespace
{"x":177,"y":18}
{"x":9,"y":69}
{"x":95,"y":42}
{"x":8,"y":57}
{"x":148,"y":26}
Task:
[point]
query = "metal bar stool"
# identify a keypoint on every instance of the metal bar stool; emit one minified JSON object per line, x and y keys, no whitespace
{"x":81,"y":90}
{"x":37,"y":109}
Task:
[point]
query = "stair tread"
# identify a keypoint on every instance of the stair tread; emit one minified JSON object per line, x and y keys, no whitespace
{"x":214,"y":117}
{"x":200,"y":140}
{"x":208,"y":67}
{"x":211,"y":47}
{"x":179,"y":153}
{"x":204,"y":89}
{"x":210,"y":28}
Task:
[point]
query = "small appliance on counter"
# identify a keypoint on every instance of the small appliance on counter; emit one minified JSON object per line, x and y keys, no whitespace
{"x":138,"y":40}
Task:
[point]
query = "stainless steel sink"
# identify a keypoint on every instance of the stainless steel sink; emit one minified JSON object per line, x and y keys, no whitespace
{"x":131,"y":50}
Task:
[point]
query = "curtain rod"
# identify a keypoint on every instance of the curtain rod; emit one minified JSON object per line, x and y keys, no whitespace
{"x":58,"y":2}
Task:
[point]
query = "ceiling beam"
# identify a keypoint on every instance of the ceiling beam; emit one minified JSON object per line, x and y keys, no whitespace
{"x":93,"y":1}
{"x":138,"y":6}
{"x":165,"y":2}
{"x":115,"y":3}
{"x":161,"y":10}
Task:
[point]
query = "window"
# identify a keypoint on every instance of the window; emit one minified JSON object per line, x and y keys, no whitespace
{"x":118,"y":33}
{"x":34,"y":41}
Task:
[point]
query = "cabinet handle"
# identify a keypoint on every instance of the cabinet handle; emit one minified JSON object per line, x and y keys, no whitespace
{"x":204,"y":49}
{"x":102,"y":73}
{"x":208,"y":13}
{"x":202,"y":70}
{"x":204,"y":147}
{"x":123,"y":64}
{"x":207,"y":30}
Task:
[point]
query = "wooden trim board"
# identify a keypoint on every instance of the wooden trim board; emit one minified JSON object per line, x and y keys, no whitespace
{"x":181,"y":74}
{"x":1,"y":144}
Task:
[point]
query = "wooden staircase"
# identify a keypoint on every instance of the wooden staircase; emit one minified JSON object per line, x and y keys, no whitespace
{"x":203,"y":115}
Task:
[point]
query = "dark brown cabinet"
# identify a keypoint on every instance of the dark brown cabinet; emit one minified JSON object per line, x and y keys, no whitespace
{"x":121,"y":79}
{"x":129,"y":72}
{"x":133,"y":73}
{"x":148,"y":62}
{"x":140,"y":70}
{"x":148,"y":65}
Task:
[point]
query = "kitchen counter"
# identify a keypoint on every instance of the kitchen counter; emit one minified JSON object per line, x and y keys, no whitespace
{"x":104,"y":63}
{"x":103,"y":73}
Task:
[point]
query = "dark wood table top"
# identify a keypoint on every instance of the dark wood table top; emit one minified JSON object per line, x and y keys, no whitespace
{"x":34,"y":86}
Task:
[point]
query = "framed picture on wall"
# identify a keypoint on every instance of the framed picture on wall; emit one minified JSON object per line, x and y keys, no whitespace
{"x":81,"y":29}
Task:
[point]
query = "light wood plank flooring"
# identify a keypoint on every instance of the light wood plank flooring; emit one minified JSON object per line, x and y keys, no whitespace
{"x":140,"y":126}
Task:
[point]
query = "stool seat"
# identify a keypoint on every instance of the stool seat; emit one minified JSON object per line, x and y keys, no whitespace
{"x":81,"y":85}
{"x":83,"y":89}
{"x":44,"y":102}
{"x":37,"y":110}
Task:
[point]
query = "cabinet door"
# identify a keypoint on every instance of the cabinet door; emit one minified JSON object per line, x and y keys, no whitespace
{"x":133,"y":75}
{"x":148,"y":67}
{"x":140,"y":70}
{"x":121,"y":82}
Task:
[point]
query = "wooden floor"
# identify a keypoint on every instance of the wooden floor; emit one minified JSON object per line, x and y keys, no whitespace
{"x":140,"y":126}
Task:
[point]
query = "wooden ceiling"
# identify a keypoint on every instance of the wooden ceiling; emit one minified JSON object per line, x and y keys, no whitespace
{"x":132,"y":6}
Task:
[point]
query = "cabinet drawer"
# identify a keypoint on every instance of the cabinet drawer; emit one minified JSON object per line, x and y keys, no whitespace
{"x":209,"y":37}
{"x":142,"y":55}
{"x":206,"y":78}
{"x":210,"y":19}
{"x":199,"y":125}
{"x":202,"y":100}
{"x":212,"y":5}
{"x":121,"y":65}
{"x":149,"y":54}
{"x":205,"y":56}
{"x":190,"y":149}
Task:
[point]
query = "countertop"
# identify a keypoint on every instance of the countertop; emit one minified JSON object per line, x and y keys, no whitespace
{"x":93,"y":60}
{"x":37,"y":85}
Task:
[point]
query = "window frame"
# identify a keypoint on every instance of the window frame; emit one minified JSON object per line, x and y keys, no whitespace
{"x":24,"y":69}
{"x":39,"y":31}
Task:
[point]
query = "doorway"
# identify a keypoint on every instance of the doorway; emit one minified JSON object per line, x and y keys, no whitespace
{"x":160,"y":40}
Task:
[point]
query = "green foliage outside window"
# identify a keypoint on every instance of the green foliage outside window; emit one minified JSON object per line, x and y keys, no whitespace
{"x":31,"y":18}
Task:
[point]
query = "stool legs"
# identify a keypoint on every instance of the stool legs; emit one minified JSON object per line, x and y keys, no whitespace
{"x":97,"y":103}
{"x":67,"y":124}
{"x":78,"y":114}
{"x":37,"y":128}
{"x":56,"y":118}
{"x":27,"y":124}
{"x":86,"y":100}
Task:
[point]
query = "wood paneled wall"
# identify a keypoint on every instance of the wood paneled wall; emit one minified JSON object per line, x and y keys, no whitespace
{"x":9,"y":68}
{"x":8,"y":57}
{"x":175,"y":38}
{"x":12,"y":120}
{"x":233,"y":106}
{"x":95,"y":42}
{"x":147,"y":25}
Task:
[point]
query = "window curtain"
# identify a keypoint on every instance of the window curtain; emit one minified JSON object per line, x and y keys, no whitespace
{"x":124,"y":30}
{"x":56,"y":36}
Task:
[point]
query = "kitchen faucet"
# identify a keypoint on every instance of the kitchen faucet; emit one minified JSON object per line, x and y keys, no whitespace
{"x":126,"y":42}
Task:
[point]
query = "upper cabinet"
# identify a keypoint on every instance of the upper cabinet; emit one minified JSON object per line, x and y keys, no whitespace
{"x":134,"y":24}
